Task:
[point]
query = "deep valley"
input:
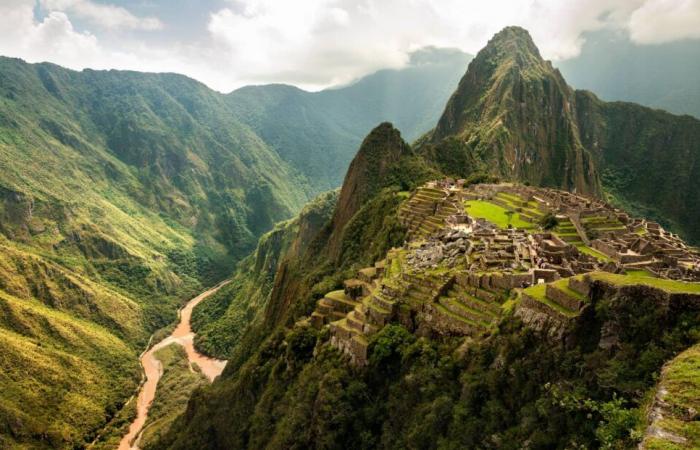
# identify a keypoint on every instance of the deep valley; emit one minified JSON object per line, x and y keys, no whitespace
{"x":414,"y":260}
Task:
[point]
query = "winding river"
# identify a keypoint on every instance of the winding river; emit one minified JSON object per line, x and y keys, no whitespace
{"x":153,"y":368}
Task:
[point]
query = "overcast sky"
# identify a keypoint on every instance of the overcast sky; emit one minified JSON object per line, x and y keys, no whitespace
{"x":310,"y":43}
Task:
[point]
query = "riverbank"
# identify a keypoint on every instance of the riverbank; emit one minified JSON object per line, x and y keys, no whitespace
{"x":153,"y":368}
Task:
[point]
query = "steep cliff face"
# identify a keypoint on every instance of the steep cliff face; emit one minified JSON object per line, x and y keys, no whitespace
{"x":255,"y":296}
{"x":378,"y":155}
{"x":513,"y":115}
{"x":384,"y":159}
{"x":649,"y":160}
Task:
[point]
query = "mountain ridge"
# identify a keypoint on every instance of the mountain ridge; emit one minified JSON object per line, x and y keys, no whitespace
{"x":381,"y":348}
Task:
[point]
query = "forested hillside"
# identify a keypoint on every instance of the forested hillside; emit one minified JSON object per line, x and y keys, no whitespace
{"x":121,"y":195}
{"x":319,"y":132}
{"x":472,"y":313}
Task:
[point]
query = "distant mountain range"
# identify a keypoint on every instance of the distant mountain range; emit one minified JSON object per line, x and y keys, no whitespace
{"x":659,"y":76}
{"x":122,"y":193}
{"x":319,"y":132}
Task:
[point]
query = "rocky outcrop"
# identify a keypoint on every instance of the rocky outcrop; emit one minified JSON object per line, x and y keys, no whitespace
{"x":675,"y":410}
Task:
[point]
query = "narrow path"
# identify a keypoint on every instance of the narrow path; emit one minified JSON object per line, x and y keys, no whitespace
{"x":153,"y":369}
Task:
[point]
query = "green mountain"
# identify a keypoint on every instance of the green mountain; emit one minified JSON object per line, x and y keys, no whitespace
{"x":319,"y":132}
{"x":514,"y":116}
{"x":402,"y":323}
{"x":121,"y":194}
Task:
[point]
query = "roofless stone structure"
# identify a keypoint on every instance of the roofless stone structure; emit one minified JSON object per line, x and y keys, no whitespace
{"x":471,"y":250}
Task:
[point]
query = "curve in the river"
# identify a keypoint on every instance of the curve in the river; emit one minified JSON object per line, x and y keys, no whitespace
{"x":153,"y":369}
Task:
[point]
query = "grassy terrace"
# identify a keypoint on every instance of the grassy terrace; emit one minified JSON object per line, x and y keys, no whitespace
{"x":529,"y":208}
{"x":495,"y":214}
{"x":681,"y":379}
{"x":593,"y":252}
{"x":563,"y":285}
{"x":447,"y":312}
{"x":644,"y":278}
{"x":538,"y":292}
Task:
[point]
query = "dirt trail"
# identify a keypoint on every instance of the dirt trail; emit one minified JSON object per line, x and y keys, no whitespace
{"x":153,"y":369}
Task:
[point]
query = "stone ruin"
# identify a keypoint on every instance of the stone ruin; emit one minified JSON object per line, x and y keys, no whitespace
{"x":454,"y":270}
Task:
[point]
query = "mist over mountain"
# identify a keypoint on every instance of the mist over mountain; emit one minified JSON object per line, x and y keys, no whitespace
{"x":319,"y":132}
{"x":660,"y":76}
{"x":533,"y":303}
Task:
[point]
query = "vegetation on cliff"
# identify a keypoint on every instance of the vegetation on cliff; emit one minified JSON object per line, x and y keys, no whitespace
{"x":511,"y":389}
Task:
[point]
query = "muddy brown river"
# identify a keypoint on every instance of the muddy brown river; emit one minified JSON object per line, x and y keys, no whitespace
{"x":153,"y":368}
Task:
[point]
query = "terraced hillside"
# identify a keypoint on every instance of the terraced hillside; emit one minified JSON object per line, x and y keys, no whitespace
{"x":487,"y":309}
{"x":469,"y":250}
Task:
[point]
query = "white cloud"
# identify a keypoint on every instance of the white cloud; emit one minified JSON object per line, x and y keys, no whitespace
{"x":52,"y":39}
{"x":317,"y":43}
{"x":659,"y":21}
{"x":104,"y":15}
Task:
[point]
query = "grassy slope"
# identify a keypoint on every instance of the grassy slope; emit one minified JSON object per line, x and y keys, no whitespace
{"x":121,"y":195}
{"x":495,"y":214}
{"x":681,"y":381}
{"x":59,"y":374}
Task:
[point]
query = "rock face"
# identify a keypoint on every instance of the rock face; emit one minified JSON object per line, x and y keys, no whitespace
{"x":375,"y":161}
{"x":514,"y":115}
{"x":636,"y":149}
{"x":675,"y":409}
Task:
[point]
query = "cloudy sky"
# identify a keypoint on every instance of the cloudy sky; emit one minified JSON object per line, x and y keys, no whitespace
{"x":310,"y":43}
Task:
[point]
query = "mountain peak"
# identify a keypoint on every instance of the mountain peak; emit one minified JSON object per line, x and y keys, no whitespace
{"x":514,"y":36}
{"x":512,"y":116}
{"x":514,"y":46}
{"x":378,"y":155}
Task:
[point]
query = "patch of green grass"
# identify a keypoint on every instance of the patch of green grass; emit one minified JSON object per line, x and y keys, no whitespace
{"x":672,"y":286}
{"x":593,"y":252}
{"x":563,"y":285}
{"x":640,"y":273}
{"x":539,"y":292}
{"x":495,"y":214}
{"x":681,"y":380}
